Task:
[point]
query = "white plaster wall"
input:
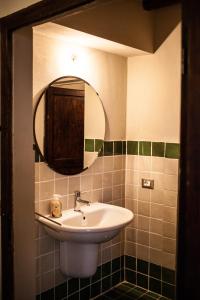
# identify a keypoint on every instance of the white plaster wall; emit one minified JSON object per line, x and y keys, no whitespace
{"x":94,"y":115}
{"x":106,"y":72}
{"x":153,"y":93}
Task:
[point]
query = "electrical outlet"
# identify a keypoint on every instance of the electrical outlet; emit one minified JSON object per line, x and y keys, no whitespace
{"x":147,"y":183}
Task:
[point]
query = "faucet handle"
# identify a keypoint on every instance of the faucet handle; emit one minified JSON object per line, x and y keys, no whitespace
{"x":77,"y":194}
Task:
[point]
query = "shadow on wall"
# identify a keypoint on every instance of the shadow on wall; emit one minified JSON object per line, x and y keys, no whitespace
{"x":165,"y":20}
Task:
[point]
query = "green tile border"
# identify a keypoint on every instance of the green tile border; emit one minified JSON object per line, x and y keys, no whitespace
{"x":98,"y":145}
{"x":158,"y":149}
{"x":145,"y":148}
{"x":108,"y":148}
{"x":172,"y":150}
{"x":132,"y":147}
{"x":118,"y":148}
{"x":129,"y":147}
{"x":89,"y":145}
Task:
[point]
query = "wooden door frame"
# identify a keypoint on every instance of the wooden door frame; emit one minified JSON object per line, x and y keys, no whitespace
{"x":37,"y":13}
{"x":188,"y":265}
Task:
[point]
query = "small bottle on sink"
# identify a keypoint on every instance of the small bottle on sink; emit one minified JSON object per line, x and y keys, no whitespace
{"x":56,"y":206}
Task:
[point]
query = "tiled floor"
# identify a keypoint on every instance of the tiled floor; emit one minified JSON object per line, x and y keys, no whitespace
{"x":128,"y":291}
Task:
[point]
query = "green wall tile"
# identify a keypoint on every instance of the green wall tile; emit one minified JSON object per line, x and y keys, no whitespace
{"x":117,"y":147}
{"x":168,"y":290}
{"x":98,"y":145}
{"x":158,"y":149}
{"x":108,"y":148}
{"x":155,"y":271}
{"x":155,"y":285}
{"x":130,"y":262}
{"x":168,"y":275}
{"x":132,"y":147}
{"x":124,"y":147}
{"x":142,"y":280}
{"x":145,"y":148}
{"x":172,"y":150}
{"x":142,"y":266}
{"x":89,"y":145}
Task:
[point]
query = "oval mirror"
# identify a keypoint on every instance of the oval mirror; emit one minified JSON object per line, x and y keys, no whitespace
{"x":69,"y":125}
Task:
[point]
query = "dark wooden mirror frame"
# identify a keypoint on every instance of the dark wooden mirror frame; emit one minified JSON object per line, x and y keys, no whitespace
{"x":36,"y":145}
{"x":188,"y":262}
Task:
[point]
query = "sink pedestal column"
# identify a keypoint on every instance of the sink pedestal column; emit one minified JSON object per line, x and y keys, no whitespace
{"x":78,"y":259}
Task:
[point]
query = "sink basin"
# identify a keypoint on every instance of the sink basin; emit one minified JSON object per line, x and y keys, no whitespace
{"x":98,"y":223}
{"x":81,"y":233}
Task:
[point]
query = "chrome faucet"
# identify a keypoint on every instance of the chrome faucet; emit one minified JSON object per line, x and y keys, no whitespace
{"x":77,"y":198}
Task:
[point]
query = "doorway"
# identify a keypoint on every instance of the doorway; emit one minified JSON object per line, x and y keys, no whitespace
{"x":183,"y":166}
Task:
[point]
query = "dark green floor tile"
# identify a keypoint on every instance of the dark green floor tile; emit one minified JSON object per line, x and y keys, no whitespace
{"x":136,"y":293}
{"x":102,"y":297}
{"x":89,"y":145}
{"x":168,"y":290}
{"x":158,"y":149}
{"x":172,"y":150}
{"x":128,"y":284}
{"x":147,"y":297}
{"x":116,"y":264}
{"x":168,"y":275}
{"x":106,"y":283}
{"x":145,"y":148}
{"x":106,"y":269}
{"x":155,"y":285}
{"x":155,"y":271}
{"x":153,"y":295}
{"x":125,"y":287}
{"x":73,"y":285}
{"x":96,"y":289}
{"x":163,"y":298}
{"x":130,"y":262}
{"x":116,"y":278}
{"x":125,"y":297}
{"x":118,"y":148}
{"x":132,"y":147}
{"x":112,"y":294}
{"x":61,"y":291}
{"x":130,"y":276}
{"x":108,"y":148}
{"x":142,"y":266}
{"x":85,"y":293}
{"x":142,"y":280}
{"x":48,"y":295}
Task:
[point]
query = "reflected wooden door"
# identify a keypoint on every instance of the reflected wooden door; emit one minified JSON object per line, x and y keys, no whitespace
{"x":64,"y":129}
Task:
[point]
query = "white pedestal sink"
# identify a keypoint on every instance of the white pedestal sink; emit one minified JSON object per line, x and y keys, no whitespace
{"x":80,"y":235}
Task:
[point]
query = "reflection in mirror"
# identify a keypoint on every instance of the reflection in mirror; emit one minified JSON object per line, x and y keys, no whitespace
{"x":69,"y":125}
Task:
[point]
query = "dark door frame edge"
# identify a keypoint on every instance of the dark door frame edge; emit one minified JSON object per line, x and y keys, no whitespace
{"x":37,"y":13}
{"x":189,"y":207}
{"x":188,"y":262}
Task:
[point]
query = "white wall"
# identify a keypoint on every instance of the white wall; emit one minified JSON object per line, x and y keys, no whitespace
{"x":106,"y":72}
{"x":153,"y":93}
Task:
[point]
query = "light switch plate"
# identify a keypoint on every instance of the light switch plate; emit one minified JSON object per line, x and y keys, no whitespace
{"x":148,"y":183}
